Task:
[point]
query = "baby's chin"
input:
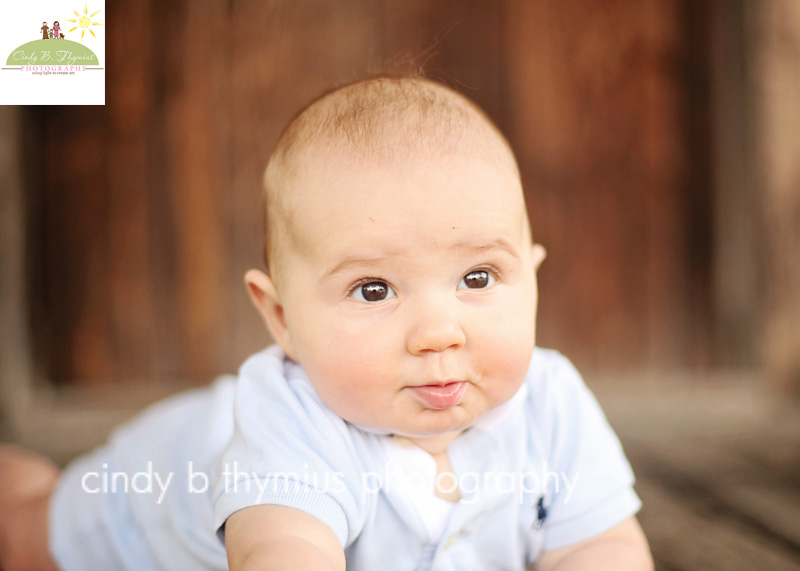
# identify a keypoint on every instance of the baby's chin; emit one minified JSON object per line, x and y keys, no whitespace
{"x":432,"y":430}
{"x":422,"y":424}
{"x":414,"y":432}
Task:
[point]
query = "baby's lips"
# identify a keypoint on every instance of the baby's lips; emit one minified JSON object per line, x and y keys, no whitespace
{"x":440,"y":396}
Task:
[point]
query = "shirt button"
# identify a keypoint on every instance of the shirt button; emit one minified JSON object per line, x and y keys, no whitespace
{"x":451,"y":541}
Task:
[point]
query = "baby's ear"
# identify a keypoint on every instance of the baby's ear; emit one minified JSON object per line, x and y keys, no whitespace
{"x":265,"y":299}
{"x":538,"y":254}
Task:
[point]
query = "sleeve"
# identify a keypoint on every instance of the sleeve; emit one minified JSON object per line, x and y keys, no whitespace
{"x":289,"y":449}
{"x":592,"y":481}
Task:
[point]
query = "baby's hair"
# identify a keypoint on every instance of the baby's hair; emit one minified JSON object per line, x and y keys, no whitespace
{"x":384,"y":118}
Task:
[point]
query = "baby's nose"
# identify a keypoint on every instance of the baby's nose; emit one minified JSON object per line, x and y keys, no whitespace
{"x":436,"y":328}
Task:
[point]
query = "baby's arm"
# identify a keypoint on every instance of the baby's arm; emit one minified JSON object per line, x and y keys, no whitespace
{"x":621,"y":548}
{"x":269,"y":537}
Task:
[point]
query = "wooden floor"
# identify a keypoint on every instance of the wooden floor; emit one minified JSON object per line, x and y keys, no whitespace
{"x":718,"y":471}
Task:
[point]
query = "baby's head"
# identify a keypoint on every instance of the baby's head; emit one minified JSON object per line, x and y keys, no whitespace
{"x":401,"y":269}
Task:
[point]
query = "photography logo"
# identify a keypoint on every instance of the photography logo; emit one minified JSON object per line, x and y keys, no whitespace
{"x":56,"y":49}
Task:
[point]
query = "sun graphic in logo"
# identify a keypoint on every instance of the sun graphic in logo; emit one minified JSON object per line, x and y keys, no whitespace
{"x":84,"y":21}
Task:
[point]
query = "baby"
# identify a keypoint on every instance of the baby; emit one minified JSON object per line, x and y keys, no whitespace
{"x":404,"y":419}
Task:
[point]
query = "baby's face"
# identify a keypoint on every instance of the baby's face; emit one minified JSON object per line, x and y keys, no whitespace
{"x":410,"y":295}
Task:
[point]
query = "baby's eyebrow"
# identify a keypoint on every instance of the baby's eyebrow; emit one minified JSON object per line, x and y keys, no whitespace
{"x":498,"y":244}
{"x":353,"y":262}
{"x":349,"y":263}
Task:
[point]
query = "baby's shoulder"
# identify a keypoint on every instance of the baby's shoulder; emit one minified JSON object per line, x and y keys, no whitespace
{"x":550,"y":371}
{"x":556,"y":395}
{"x":277,"y":402}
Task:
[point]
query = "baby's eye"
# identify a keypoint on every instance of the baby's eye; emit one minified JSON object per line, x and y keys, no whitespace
{"x":476,"y":279}
{"x":373,"y":291}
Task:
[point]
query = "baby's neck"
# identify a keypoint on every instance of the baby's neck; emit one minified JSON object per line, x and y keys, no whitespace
{"x":433,"y":445}
{"x":436,"y":446}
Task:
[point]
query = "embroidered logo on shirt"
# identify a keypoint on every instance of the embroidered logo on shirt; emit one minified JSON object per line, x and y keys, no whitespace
{"x":541,"y":514}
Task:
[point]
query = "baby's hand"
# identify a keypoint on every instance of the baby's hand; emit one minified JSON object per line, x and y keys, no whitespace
{"x":280,"y":538}
{"x":621,"y":548}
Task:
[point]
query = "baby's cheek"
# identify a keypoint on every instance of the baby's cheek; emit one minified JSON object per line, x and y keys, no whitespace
{"x":354,"y":365}
{"x":508,"y":347}
{"x":513,"y":331}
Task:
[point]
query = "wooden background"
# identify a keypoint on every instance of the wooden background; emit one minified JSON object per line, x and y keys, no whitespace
{"x":144,"y":214}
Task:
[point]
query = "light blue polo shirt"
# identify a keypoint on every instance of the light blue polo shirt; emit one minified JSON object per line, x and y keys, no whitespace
{"x":542,"y":471}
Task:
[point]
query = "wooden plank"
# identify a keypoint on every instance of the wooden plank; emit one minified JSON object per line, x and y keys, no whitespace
{"x":778,"y":509}
{"x":768,"y":511}
{"x":743,"y":479}
{"x":197,"y":188}
{"x":127,"y":274}
{"x":777,"y":85}
{"x":685,"y":535}
{"x":738,"y":272}
{"x":15,"y":349}
{"x":596,"y":92}
{"x":71,"y":244}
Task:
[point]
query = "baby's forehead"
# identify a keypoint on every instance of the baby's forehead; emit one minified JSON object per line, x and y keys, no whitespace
{"x":381,"y":174}
{"x":375,"y":123}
